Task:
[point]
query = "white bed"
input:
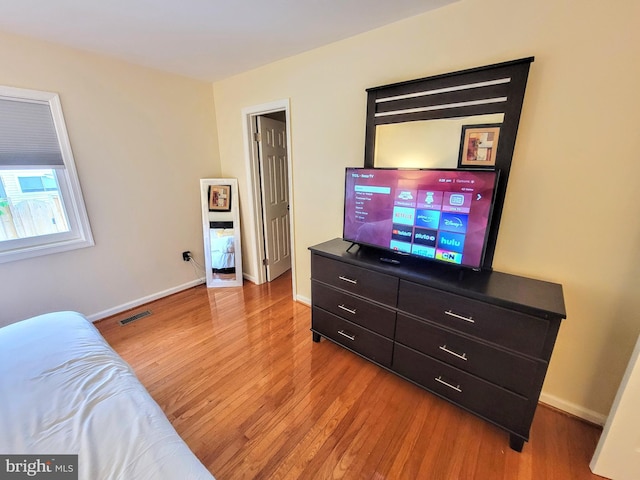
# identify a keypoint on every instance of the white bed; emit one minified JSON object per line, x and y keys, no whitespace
{"x":64,"y":390}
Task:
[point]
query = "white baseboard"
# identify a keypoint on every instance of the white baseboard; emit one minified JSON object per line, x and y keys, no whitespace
{"x":305,"y":300}
{"x":573,"y":409}
{"x":141,"y":301}
{"x":251,"y":278}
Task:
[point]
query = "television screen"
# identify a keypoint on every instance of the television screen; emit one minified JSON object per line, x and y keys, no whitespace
{"x":437,"y":214}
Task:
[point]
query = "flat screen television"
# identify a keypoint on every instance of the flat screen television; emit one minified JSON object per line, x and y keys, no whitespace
{"x":443,"y":215}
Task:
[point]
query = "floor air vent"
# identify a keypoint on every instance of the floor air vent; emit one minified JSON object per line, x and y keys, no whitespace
{"x":135,"y":317}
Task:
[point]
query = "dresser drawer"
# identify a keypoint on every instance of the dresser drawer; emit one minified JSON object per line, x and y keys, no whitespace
{"x":377,"y":286}
{"x":482,"y":398}
{"x":360,"y":340}
{"x":518,"y":331}
{"x":355,"y":309}
{"x":512,"y":372}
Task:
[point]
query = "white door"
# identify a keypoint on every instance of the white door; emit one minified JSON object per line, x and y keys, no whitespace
{"x":618,"y":453}
{"x":272,"y":148}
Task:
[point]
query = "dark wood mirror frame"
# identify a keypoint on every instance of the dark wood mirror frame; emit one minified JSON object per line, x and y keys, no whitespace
{"x":497,"y":88}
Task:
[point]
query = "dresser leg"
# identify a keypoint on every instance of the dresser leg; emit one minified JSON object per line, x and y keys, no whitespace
{"x":516,"y":443}
{"x":315,"y":337}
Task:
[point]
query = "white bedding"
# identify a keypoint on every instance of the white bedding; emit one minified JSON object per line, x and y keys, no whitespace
{"x":64,"y":390}
{"x":222,"y":248}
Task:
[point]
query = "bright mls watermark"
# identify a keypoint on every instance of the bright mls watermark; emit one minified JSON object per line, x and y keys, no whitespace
{"x":50,"y":467}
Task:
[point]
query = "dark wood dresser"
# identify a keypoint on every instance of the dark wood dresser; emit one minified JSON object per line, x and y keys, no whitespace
{"x":481,"y":340}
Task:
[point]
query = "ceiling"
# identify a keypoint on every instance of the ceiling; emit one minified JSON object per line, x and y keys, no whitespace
{"x":204,"y":39}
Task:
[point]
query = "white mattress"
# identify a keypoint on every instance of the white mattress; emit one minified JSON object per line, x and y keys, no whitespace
{"x":64,"y":390}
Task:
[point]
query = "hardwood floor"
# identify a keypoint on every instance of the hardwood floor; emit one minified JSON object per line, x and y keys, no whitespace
{"x":237,"y":374}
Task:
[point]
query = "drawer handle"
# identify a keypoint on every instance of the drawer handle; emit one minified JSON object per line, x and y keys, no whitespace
{"x":350,"y":280}
{"x":352,"y":311}
{"x":451,"y":352}
{"x":456,"y":387}
{"x":350,"y":337}
{"x":460,"y":317}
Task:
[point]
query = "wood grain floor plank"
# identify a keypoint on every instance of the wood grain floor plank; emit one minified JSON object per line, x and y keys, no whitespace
{"x":238,"y":376}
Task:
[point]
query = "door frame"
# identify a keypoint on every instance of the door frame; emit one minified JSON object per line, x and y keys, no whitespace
{"x":256,"y":229}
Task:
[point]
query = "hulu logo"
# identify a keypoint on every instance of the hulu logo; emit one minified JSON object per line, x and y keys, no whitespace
{"x":450,"y":242}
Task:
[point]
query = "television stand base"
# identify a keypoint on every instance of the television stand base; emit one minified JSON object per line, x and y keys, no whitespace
{"x":352,"y":245}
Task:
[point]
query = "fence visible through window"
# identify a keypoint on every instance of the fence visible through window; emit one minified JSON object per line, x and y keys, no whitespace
{"x":31,"y":204}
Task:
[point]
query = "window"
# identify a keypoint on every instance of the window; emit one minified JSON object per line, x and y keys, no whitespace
{"x":41,"y":205}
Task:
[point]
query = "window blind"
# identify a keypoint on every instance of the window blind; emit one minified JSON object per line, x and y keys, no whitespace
{"x":28,"y":135}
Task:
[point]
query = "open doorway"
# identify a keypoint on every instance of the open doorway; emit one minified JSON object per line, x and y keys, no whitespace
{"x":268,"y":147}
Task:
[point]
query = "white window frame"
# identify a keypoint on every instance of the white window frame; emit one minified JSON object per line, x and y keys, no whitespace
{"x":79,"y":234}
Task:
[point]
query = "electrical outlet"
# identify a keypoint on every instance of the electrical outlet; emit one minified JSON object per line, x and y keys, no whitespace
{"x":186,"y":256}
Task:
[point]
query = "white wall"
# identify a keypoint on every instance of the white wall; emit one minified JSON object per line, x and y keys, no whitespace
{"x":573,"y":199}
{"x":141,"y":140}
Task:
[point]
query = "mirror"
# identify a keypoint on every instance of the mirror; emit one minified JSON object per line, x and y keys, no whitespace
{"x":424,"y":143}
{"x":221,"y":232}
{"x":419,"y":123}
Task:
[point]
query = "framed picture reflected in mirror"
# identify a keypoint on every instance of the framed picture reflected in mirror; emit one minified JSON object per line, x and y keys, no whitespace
{"x":479,"y":145}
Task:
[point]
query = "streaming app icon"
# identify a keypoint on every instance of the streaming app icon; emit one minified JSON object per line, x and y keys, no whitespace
{"x":402,"y":233}
{"x":457,"y":202}
{"x":405,"y":197}
{"x":429,"y":199}
{"x":453,"y":242}
{"x":447,"y":256}
{"x":425,"y":237}
{"x":454,"y":222}
{"x":403,"y":215}
{"x":400,"y":246}
{"x":428,"y":218}
{"x":423,"y":251}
